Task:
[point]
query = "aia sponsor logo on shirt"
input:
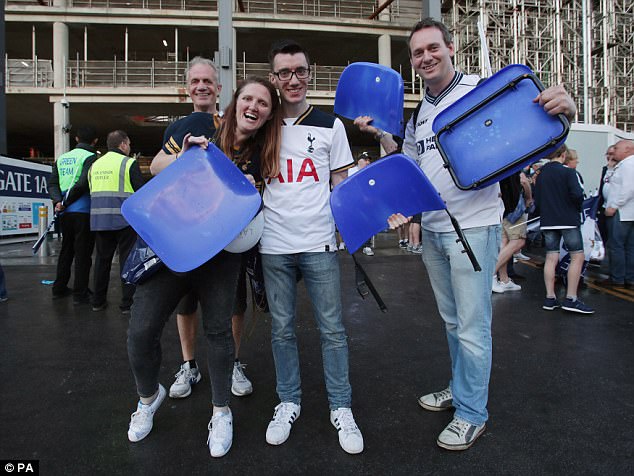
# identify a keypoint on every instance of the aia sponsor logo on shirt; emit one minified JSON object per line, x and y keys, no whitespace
{"x":307,"y":171}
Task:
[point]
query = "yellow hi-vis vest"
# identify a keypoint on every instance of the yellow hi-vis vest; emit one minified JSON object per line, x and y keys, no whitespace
{"x":109,"y":180}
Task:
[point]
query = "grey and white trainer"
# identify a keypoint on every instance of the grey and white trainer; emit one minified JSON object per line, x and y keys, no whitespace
{"x":459,"y":435}
{"x":240,"y":384}
{"x":185,"y":378}
{"x":437,"y":401}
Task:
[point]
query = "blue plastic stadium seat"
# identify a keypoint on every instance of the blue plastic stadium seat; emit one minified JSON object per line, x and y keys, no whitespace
{"x":496,"y":129}
{"x":361,"y":203}
{"x":369,"y":89}
{"x":193,"y":208}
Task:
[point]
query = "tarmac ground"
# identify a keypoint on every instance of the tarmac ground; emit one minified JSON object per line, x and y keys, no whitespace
{"x":561,"y":394}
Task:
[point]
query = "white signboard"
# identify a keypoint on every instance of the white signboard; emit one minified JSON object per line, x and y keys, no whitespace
{"x":23,"y":189}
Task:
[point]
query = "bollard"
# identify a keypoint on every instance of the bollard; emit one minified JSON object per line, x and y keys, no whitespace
{"x":41,"y":228}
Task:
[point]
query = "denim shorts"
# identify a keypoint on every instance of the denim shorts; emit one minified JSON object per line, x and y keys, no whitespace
{"x":572,"y":240}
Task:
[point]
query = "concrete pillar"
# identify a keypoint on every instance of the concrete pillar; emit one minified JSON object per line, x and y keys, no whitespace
{"x":60,"y":53}
{"x":61,"y":112}
{"x":226,"y":51}
{"x":385,"y":42}
{"x":385,"y":50}
{"x":431,"y":8}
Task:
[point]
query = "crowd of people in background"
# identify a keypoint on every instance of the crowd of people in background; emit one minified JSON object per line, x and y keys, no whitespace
{"x":271,"y":133}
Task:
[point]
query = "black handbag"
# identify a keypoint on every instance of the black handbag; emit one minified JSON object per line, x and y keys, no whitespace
{"x":256,"y":280}
{"x":141,"y":263}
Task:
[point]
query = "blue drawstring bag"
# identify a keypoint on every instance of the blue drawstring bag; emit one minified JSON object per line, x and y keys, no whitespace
{"x":519,"y":211}
{"x":141,"y":263}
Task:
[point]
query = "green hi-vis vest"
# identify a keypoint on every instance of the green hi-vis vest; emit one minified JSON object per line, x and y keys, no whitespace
{"x":69,"y":167}
{"x":109,"y":179}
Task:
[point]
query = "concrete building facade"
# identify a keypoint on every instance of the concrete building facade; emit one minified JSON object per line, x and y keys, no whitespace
{"x":120,"y":63}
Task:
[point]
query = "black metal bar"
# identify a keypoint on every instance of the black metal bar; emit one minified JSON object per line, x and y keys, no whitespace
{"x":465,"y":244}
{"x":362,"y":279}
{"x":41,"y":239}
{"x":3,"y":80}
{"x":488,"y":99}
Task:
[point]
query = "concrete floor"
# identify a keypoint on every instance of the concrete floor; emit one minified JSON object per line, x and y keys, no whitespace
{"x":561,"y":395}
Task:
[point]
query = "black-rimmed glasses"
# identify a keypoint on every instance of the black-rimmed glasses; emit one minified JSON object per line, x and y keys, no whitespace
{"x":287,"y":74}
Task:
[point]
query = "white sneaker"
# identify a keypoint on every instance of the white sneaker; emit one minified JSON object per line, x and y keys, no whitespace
{"x":240,"y":384}
{"x":521,"y":256}
{"x":279,"y":428}
{"x":185,"y":378}
{"x":142,"y":419}
{"x":459,"y":435}
{"x":497,"y":287}
{"x":350,"y":437}
{"x":368,"y":251}
{"x":437,"y":401}
{"x":220,"y":433}
{"x":500,"y":287}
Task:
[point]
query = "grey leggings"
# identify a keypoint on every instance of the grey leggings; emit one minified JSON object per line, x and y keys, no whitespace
{"x":215,"y":284}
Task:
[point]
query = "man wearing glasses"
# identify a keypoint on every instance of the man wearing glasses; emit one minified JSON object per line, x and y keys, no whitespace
{"x":299,"y":239}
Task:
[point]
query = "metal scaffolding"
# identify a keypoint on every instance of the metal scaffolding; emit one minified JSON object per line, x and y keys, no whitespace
{"x":586,"y":44}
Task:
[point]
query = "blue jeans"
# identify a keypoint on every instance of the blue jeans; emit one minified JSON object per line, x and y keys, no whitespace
{"x":321,"y":276}
{"x":621,"y":250}
{"x":463,"y":297}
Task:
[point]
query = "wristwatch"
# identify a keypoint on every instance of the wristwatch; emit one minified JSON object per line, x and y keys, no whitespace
{"x":379,"y":135}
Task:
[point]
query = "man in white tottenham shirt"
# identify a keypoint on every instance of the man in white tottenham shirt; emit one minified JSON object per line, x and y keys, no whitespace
{"x":463,"y":296}
{"x":299,"y":238}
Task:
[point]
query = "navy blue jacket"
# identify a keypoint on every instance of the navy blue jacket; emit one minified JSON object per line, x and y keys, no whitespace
{"x":558,"y":196}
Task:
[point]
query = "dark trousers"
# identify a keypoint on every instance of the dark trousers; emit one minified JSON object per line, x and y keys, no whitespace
{"x":77,"y":244}
{"x":107,"y":242}
{"x":215,"y":285}
{"x":621,"y":250}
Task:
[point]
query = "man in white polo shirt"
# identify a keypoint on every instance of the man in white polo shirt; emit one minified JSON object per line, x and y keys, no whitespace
{"x":463,"y":296}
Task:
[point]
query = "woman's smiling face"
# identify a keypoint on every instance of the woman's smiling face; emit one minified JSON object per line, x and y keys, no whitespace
{"x":253,"y":108}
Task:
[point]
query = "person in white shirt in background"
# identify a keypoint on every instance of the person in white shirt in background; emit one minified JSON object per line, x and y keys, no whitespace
{"x":620,"y":207}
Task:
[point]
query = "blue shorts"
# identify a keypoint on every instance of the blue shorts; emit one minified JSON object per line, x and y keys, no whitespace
{"x":572,"y":240}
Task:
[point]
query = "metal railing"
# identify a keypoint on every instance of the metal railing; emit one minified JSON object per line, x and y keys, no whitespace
{"x":209,"y":5}
{"x":116,"y":74}
{"x":405,"y":10}
{"x":29,"y":73}
{"x":152,"y":74}
{"x":316,"y":8}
